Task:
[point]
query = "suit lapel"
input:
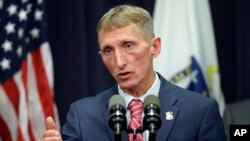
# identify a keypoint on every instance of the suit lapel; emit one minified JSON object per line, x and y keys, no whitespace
{"x":167,"y":122}
{"x":106,"y":116}
{"x":106,"y":119}
{"x":169,"y":112}
{"x":124,"y":136}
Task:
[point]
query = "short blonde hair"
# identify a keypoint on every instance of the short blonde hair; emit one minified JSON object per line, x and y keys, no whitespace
{"x":123,"y":15}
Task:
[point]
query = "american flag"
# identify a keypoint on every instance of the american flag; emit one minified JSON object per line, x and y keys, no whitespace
{"x":26,"y":72}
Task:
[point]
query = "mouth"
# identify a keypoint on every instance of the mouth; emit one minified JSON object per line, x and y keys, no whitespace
{"x":124,"y":75}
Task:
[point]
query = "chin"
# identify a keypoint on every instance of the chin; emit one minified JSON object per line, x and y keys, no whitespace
{"x":126,"y":87}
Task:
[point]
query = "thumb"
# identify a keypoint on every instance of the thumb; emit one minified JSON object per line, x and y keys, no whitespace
{"x":50,"y":123}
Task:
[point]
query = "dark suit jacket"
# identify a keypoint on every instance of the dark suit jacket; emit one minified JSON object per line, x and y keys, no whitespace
{"x":196,"y":117}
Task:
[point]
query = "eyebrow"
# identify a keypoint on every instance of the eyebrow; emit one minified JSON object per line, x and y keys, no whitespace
{"x":105,"y":46}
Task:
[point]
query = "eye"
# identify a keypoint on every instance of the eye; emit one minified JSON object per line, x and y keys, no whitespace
{"x":128,"y":46}
{"x":107,"y":51}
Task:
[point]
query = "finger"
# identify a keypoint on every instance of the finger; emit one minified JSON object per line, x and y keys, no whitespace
{"x":50,"y":123}
{"x":51,"y":133}
{"x":54,"y":138}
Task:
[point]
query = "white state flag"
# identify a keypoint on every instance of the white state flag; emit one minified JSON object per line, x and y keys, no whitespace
{"x":188,"y":55}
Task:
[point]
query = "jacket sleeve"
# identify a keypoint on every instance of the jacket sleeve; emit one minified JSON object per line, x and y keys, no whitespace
{"x":212,"y":127}
{"x":71,"y":129}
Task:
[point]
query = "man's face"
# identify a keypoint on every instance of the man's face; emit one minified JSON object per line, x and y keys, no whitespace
{"x":128,"y":56}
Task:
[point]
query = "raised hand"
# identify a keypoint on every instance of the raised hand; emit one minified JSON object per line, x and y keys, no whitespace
{"x":51,"y":133}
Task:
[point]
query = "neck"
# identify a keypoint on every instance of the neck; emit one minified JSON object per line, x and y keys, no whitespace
{"x":143,"y":88}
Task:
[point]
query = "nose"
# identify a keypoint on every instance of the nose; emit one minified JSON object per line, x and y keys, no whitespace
{"x":120,"y":59}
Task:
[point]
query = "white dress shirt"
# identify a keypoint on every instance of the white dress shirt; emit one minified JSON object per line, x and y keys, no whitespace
{"x":153,"y":90}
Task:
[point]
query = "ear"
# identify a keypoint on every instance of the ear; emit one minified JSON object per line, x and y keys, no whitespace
{"x":156,"y":47}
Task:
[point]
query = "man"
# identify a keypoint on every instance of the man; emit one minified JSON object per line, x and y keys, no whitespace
{"x":127,"y":47}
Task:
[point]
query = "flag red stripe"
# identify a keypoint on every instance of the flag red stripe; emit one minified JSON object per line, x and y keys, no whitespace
{"x":12,"y":92}
{"x":4,"y":131}
{"x":24,"y":80}
{"x":19,"y":134}
{"x":24,"y":77}
{"x":45,"y":93}
{"x":31,"y":135}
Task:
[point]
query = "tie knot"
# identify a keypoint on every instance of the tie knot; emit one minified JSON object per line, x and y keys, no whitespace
{"x":136,"y":108}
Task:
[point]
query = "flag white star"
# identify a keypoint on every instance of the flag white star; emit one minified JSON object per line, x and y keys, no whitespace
{"x":39,"y":1}
{"x":22,"y":15}
{"x":12,"y":9}
{"x":1,"y":4}
{"x":23,"y":1}
{"x":19,"y":51}
{"x":10,"y":28}
{"x":34,"y":33}
{"x":194,"y":76}
{"x":20,"y":33}
{"x":38,"y":15}
{"x":5,"y":64}
{"x":7,"y":46}
{"x":29,"y":7}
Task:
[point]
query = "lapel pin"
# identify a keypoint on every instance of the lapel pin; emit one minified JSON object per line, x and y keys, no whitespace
{"x":169,"y":116}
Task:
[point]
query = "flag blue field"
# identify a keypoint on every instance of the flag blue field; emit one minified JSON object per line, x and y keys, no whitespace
{"x":188,"y":55}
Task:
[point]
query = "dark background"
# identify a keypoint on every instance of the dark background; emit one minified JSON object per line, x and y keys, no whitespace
{"x":79,"y":70}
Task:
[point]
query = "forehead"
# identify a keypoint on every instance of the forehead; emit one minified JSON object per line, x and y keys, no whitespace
{"x":130,"y":31}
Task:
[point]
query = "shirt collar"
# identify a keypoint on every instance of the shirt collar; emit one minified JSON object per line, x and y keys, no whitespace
{"x":153,"y":90}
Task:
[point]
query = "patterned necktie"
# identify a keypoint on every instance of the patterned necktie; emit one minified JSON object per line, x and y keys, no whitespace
{"x":136,"y":109}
